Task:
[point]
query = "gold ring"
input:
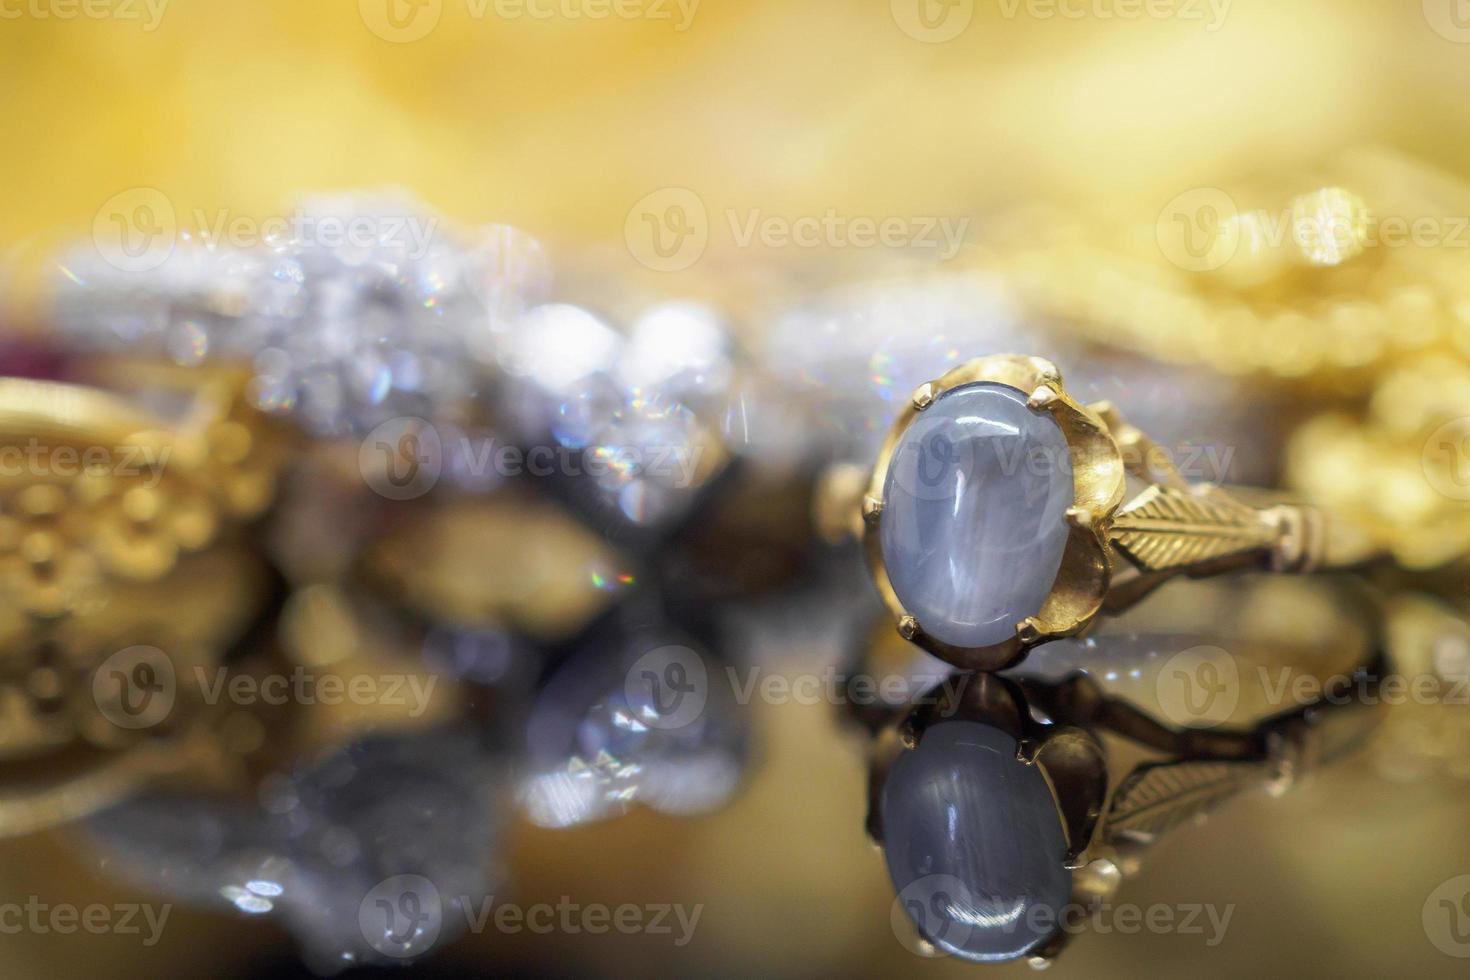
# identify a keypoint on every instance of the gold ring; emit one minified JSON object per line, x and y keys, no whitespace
{"x":1002,"y":514}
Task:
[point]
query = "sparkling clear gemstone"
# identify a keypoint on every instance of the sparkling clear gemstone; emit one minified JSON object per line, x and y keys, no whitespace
{"x":354,"y":285}
{"x":318,"y":839}
{"x":974,"y":515}
{"x":628,"y":404}
{"x":974,"y":844}
{"x":612,"y":731}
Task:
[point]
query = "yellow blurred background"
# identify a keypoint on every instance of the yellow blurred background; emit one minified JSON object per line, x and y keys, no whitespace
{"x":561,"y":126}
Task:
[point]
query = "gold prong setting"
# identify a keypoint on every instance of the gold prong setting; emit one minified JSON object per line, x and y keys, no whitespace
{"x":872,"y":509}
{"x":924,"y":396}
{"x":1030,"y":632}
{"x":1042,"y":398}
{"x":1098,"y":487}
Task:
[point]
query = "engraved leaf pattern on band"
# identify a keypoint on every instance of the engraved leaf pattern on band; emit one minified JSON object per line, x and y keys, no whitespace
{"x":1160,"y":796}
{"x":1166,"y":528}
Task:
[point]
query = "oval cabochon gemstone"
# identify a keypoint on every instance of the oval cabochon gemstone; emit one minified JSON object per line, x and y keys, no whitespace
{"x":974,"y":518}
{"x":974,"y":844}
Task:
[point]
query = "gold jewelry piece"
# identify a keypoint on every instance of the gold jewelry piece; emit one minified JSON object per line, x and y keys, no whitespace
{"x":120,"y":564}
{"x":1132,"y":523}
{"x":1322,"y":279}
{"x":510,"y":559}
{"x":1350,"y":281}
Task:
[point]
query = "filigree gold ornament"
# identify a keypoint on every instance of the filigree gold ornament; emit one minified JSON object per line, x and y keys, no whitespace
{"x":1165,"y":528}
{"x":122,"y":575}
{"x":1156,"y":798}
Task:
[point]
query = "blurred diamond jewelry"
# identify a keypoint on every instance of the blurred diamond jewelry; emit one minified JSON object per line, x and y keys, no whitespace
{"x":434,"y":344}
{"x":632,"y":719}
{"x":342,"y":332}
